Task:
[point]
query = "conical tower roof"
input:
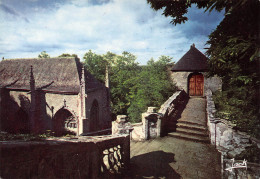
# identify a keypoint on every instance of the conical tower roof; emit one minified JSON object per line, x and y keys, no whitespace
{"x":193,"y":61}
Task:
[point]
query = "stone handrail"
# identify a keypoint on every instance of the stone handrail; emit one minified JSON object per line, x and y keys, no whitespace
{"x":82,"y":157}
{"x":172,"y":109}
{"x":168,"y":107}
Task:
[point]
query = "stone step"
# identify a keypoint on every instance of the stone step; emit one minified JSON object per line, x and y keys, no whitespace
{"x":192,"y":132}
{"x":189,"y":137}
{"x":192,"y":123}
{"x":192,"y":126}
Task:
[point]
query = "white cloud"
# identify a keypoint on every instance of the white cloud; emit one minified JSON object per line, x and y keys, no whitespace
{"x":77,"y":26}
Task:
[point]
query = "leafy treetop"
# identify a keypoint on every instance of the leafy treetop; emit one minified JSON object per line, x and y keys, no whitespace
{"x":43,"y":54}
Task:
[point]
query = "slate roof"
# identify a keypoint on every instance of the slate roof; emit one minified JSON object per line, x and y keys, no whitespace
{"x":50,"y":74}
{"x":193,"y":61}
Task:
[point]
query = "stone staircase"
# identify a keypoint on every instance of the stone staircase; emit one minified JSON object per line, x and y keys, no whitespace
{"x":192,"y":124}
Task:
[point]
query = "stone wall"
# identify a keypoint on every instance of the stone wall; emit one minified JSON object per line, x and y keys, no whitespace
{"x":47,"y":105}
{"x":181,"y":80}
{"x":83,"y":157}
{"x":121,"y":125}
{"x":228,"y":141}
{"x":223,"y":135}
{"x":213,"y":83}
{"x":104,"y":121}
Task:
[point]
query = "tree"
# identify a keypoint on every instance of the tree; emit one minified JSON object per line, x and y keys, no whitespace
{"x":124,"y":69}
{"x":233,"y":55}
{"x":96,"y":65}
{"x":151,"y":88}
{"x":43,"y":54}
{"x":68,"y":55}
{"x":133,"y":88}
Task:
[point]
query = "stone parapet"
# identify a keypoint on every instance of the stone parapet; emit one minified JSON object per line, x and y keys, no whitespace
{"x":81,"y":157}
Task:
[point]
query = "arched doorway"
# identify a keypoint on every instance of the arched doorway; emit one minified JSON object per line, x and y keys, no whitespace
{"x":94,"y":116}
{"x":196,"y":84}
{"x":62,"y":122}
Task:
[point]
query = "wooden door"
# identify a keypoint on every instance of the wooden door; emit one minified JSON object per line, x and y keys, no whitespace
{"x":196,"y":85}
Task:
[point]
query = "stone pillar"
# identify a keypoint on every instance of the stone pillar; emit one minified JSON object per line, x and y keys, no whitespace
{"x":159,"y":125}
{"x":145,"y":125}
{"x":82,"y":106}
{"x":121,"y":125}
{"x":108,"y":98}
{"x":33,"y":102}
{"x":107,"y":81}
{"x":151,"y":116}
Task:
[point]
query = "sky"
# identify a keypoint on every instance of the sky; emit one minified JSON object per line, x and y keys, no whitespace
{"x":29,"y":27}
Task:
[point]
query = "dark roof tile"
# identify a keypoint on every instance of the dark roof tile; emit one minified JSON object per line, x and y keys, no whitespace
{"x":193,"y":60}
{"x":51,"y":74}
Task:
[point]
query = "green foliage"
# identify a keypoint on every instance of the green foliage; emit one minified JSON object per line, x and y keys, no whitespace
{"x":177,"y":9}
{"x":233,"y":55}
{"x":4,"y":136}
{"x":95,"y":64}
{"x":133,"y":88}
{"x":152,"y":88}
{"x":68,"y":55}
{"x":43,"y":54}
{"x":251,"y":154}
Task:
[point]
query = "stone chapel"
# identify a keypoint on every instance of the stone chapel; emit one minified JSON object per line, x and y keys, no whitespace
{"x":55,"y":94}
{"x":190,"y":74}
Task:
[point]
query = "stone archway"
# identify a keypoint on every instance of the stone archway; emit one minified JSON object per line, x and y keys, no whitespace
{"x":94,"y":116}
{"x":64,"y":122}
{"x":196,"y":84}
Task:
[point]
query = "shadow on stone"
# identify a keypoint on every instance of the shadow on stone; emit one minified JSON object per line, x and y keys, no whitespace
{"x":153,"y":165}
{"x":170,"y":123}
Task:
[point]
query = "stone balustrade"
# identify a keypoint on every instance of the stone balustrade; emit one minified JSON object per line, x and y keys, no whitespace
{"x":81,"y":157}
